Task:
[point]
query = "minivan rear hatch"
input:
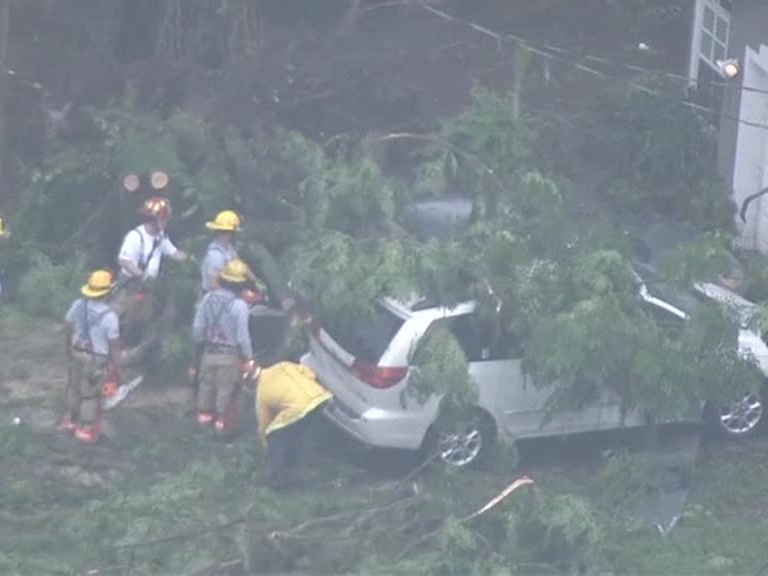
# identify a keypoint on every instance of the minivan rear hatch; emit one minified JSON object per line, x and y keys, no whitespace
{"x":353,"y":346}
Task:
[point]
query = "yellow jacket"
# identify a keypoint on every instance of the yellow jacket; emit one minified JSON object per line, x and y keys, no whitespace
{"x":286,"y":392}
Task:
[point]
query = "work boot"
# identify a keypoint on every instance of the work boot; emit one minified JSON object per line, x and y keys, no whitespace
{"x":67,"y":424}
{"x":204,"y":419}
{"x":224,"y":430}
{"x":88,"y":433}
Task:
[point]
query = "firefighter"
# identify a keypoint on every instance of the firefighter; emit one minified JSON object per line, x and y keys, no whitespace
{"x":220,"y":331}
{"x":140,"y":256}
{"x":144,"y":246}
{"x":221,"y":250}
{"x":288,"y":400}
{"x":92,"y":338}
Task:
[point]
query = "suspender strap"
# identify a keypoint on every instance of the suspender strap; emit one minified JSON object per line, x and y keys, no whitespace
{"x":144,"y":262}
{"x":216,"y":324}
{"x":87,"y":325}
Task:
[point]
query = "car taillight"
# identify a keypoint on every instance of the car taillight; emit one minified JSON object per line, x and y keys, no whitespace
{"x":380,"y":377}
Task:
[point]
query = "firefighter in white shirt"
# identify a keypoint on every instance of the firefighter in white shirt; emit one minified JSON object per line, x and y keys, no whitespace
{"x":140,"y":257}
{"x":144,"y":246}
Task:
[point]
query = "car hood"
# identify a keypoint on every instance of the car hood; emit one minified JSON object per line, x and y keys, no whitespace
{"x":745,"y":310}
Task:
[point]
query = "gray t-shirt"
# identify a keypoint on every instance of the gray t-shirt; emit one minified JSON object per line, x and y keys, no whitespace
{"x":215,"y":259}
{"x":222,"y":319}
{"x":94,"y":325}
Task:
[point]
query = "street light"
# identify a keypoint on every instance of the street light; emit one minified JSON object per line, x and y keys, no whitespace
{"x":729,"y":68}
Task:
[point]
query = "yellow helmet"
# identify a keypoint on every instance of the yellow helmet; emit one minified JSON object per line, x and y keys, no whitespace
{"x":4,"y":232}
{"x":226,"y":221}
{"x":99,"y":284}
{"x":235,"y":271}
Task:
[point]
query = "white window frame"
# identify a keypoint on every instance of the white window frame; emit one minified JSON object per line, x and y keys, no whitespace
{"x":698,"y":32}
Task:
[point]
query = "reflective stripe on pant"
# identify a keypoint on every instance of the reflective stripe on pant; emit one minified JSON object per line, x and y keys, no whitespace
{"x":86,"y":377}
{"x":220,"y":382}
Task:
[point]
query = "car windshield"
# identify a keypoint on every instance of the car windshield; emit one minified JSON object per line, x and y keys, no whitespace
{"x":686,"y":300}
{"x":365,"y":337}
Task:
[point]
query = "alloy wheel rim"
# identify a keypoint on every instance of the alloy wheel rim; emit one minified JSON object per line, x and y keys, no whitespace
{"x":742,"y":416}
{"x":460,"y":449}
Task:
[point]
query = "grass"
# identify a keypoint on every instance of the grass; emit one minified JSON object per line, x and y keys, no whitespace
{"x":135,"y":504}
{"x":181,"y":482}
{"x":184,"y":482}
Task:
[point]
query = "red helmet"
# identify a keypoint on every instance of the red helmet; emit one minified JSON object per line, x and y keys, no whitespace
{"x":156,"y":207}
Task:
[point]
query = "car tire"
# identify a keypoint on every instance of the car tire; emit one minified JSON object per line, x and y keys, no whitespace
{"x":464,"y":442}
{"x":743,"y":418}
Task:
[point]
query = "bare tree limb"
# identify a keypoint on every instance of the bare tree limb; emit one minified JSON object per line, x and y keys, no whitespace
{"x":393,"y":4}
{"x":181,"y":536}
{"x":520,"y":482}
{"x":444,"y":144}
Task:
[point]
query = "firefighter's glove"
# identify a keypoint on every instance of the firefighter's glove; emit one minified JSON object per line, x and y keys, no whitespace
{"x":250,"y":370}
{"x":251,"y":297}
{"x":109,"y":389}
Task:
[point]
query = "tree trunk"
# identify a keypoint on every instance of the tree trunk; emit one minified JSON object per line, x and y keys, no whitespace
{"x":522,"y":60}
{"x":5,"y":18}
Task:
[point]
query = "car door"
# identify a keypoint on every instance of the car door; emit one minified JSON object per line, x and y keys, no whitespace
{"x":667,"y":318}
{"x":505,"y":390}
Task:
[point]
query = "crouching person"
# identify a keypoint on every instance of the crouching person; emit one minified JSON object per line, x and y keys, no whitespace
{"x":220,"y":330}
{"x":288,"y":400}
{"x":92,"y":336}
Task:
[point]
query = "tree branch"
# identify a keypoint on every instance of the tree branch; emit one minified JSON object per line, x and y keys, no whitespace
{"x":180,"y":536}
{"x":522,"y":481}
{"x":447,"y":145}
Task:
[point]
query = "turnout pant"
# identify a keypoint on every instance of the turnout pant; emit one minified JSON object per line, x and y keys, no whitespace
{"x":85,"y":380}
{"x":219,"y":387}
{"x":135,"y":308}
{"x":284,"y":447}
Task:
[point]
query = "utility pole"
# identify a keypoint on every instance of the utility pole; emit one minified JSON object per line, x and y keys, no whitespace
{"x":5,"y":19}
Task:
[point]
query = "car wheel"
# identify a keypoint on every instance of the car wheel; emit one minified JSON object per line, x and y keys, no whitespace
{"x":465,"y":442}
{"x":739,"y":418}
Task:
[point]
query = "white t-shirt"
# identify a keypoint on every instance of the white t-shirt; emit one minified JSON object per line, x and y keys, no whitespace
{"x":138,"y":245}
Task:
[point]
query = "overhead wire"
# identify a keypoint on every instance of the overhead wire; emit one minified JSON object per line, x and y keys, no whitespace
{"x":20,"y":79}
{"x":600,"y":59}
{"x":555,"y":53}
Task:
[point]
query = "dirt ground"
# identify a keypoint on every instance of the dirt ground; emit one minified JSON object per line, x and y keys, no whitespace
{"x":33,"y":375}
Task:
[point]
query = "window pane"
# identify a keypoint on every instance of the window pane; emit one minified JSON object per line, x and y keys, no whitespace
{"x":363,"y":337}
{"x":665,"y":319}
{"x":722,"y":30}
{"x":719,"y":51}
{"x":706,"y":46}
{"x":709,"y":19}
{"x":467,"y":330}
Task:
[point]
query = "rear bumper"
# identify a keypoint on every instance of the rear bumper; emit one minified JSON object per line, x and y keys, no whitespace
{"x":374,"y":427}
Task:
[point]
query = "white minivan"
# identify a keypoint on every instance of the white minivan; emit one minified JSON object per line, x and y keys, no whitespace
{"x":365,"y":365}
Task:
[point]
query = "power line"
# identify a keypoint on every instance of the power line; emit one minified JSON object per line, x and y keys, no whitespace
{"x":594,"y":58}
{"x":671,"y":75}
{"x":12,"y":73}
{"x":547,"y":52}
